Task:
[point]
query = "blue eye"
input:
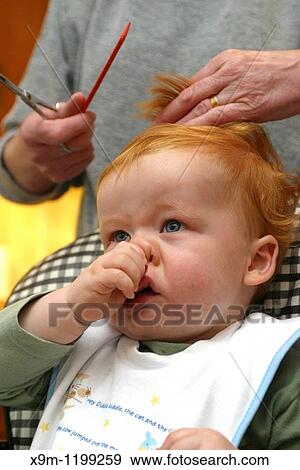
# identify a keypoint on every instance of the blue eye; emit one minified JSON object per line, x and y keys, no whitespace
{"x":172,"y":226}
{"x":121,"y":236}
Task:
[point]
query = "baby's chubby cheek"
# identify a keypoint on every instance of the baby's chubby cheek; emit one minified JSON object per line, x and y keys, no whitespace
{"x":185,"y":281}
{"x":196,"y":284}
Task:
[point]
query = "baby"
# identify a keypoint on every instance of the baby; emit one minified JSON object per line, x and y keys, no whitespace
{"x":194,"y":223}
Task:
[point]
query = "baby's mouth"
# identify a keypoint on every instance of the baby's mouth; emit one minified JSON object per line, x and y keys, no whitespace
{"x":147,"y":291}
{"x":144,"y":293}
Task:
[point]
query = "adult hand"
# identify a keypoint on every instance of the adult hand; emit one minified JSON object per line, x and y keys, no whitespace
{"x":35,"y":156}
{"x":196,"y":438}
{"x":252,"y":86}
{"x":68,"y":126}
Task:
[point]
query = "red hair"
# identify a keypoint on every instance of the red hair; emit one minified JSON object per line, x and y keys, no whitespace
{"x":252,"y":172}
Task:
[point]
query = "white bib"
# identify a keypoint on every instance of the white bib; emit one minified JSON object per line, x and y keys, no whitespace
{"x":120,"y":398}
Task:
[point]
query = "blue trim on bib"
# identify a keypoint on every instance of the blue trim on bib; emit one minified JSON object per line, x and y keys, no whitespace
{"x":51,"y":385}
{"x":266,"y":381}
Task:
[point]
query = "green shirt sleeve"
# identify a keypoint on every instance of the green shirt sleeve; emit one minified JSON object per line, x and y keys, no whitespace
{"x":26,"y":360}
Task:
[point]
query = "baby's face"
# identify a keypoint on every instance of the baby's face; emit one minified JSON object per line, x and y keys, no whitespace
{"x":174,"y":202}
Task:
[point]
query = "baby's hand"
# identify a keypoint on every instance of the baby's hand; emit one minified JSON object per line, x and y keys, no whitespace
{"x":113,"y":277}
{"x":196,"y":438}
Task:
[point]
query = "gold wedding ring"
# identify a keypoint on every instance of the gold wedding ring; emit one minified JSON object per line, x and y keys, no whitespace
{"x":214,"y":101}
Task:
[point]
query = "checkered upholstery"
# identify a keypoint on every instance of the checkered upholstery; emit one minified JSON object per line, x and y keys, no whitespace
{"x":60,"y":268}
{"x":281,"y":299}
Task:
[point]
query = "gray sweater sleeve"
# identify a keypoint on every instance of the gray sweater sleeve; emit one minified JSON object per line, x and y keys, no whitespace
{"x":51,"y":74}
{"x":26,"y":361}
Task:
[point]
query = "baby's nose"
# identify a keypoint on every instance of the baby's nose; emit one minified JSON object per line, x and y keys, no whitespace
{"x":150,"y":248}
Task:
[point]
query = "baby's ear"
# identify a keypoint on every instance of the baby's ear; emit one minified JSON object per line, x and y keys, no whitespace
{"x":262,"y":261}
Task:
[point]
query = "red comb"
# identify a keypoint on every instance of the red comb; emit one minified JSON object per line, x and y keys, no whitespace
{"x":106,"y":68}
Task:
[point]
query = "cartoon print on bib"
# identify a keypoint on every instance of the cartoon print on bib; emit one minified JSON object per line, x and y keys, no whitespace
{"x":149,"y":443}
{"x":76,"y":392}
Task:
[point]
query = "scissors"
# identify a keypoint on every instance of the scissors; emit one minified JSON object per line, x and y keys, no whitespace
{"x":31,"y":100}
{"x":34,"y":102}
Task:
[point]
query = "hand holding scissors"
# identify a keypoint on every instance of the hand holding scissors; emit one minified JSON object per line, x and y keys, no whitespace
{"x":64,"y":131}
